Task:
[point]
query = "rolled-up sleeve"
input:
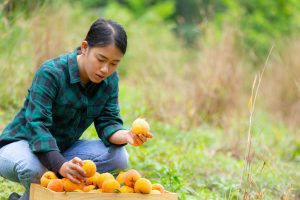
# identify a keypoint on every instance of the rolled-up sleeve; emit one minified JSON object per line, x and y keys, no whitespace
{"x":109,"y":121}
{"x":39,"y":111}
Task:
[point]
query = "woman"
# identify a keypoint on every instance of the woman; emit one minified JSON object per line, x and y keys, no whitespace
{"x":67,"y":94}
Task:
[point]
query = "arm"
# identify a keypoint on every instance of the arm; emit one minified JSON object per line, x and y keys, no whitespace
{"x":38,"y":112}
{"x":39,"y":120}
{"x":109,"y":121}
{"x":109,"y":124}
{"x":38,"y":116}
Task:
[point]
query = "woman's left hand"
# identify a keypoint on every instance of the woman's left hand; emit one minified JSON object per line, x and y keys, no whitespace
{"x":137,"y":139}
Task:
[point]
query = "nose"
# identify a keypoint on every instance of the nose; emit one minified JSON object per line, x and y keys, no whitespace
{"x":104,"y":69}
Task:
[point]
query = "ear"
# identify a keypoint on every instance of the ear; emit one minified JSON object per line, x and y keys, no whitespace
{"x":84,"y":46}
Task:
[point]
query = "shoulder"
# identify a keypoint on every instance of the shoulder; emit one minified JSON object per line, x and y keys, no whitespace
{"x":54,"y":67}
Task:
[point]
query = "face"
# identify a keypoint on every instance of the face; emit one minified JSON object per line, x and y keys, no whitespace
{"x":97,"y":63}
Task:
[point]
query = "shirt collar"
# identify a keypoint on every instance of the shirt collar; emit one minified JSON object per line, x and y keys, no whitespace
{"x":73,"y":67}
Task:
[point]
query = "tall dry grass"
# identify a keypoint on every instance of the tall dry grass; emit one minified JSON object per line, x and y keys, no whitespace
{"x":182,"y":86}
{"x":281,"y":90}
{"x":49,"y":32}
{"x":188,"y":87}
{"x":247,"y":180}
{"x":218,"y":80}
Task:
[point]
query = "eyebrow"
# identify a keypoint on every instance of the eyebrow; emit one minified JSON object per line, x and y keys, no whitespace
{"x":107,"y":58}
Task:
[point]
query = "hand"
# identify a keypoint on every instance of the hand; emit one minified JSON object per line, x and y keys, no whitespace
{"x":72,"y":170}
{"x":137,"y":139}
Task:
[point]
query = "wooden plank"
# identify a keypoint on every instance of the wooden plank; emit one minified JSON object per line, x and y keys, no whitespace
{"x":37,"y":192}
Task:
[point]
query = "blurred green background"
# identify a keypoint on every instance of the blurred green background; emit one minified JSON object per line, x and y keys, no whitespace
{"x":189,"y":71}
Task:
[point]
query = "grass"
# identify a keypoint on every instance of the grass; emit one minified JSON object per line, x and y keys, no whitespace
{"x":196,"y":106}
{"x":196,"y":163}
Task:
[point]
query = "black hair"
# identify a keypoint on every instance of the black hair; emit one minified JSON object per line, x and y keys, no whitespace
{"x":104,"y":32}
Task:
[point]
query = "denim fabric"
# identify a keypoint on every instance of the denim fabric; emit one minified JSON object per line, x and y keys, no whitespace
{"x":19,"y":164}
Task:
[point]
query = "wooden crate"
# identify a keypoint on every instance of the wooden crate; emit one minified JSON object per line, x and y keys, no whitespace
{"x":37,"y":192}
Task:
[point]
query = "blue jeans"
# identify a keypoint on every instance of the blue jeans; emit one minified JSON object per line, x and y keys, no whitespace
{"x":19,"y":164}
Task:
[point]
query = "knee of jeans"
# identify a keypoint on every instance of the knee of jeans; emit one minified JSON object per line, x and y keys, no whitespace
{"x":120,"y":159}
{"x":29,"y":174}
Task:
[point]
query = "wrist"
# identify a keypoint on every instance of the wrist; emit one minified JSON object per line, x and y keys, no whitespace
{"x":127,"y":137}
{"x":61,"y":170}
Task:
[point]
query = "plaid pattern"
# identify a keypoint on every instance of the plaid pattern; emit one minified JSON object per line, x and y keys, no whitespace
{"x":58,"y":108}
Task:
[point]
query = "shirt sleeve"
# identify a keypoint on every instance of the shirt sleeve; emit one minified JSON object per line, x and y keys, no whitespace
{"x":52,"y":160}
{"x":109,"y":120}
{"x":38,"y":113}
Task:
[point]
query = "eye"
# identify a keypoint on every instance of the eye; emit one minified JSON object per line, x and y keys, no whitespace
{"x":101,"y":60}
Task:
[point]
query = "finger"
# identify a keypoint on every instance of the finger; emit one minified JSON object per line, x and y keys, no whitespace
{"x":137,"y":139}
{"x":78,"y":176}
{"x":142,"y":138}
{"x":77,"y":160}
{"x":149,"y":135}
{"x":73,"y":179}
{"x":78,"y":171}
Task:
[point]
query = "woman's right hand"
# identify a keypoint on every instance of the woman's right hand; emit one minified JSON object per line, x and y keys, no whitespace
{"x":72,"y":170}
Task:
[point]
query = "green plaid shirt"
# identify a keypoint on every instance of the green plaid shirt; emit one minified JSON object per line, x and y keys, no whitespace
{"x":58,"y":108}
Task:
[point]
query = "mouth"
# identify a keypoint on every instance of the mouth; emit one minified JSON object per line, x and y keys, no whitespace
{"x":100,"y":76}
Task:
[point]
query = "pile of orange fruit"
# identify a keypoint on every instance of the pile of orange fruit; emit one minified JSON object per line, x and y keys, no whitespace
{"x":126,"y":182}
{"x":129,"y":181}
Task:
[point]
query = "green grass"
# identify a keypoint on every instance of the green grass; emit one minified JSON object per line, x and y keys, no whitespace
{"x":197,"y":164}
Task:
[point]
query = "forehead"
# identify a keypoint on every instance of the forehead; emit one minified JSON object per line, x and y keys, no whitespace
{"x":110,"y":51}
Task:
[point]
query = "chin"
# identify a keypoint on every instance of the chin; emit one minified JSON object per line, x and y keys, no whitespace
{"x":96,"y":81}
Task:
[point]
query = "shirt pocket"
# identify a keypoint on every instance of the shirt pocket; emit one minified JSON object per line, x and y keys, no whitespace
{"x":94,"y":111}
